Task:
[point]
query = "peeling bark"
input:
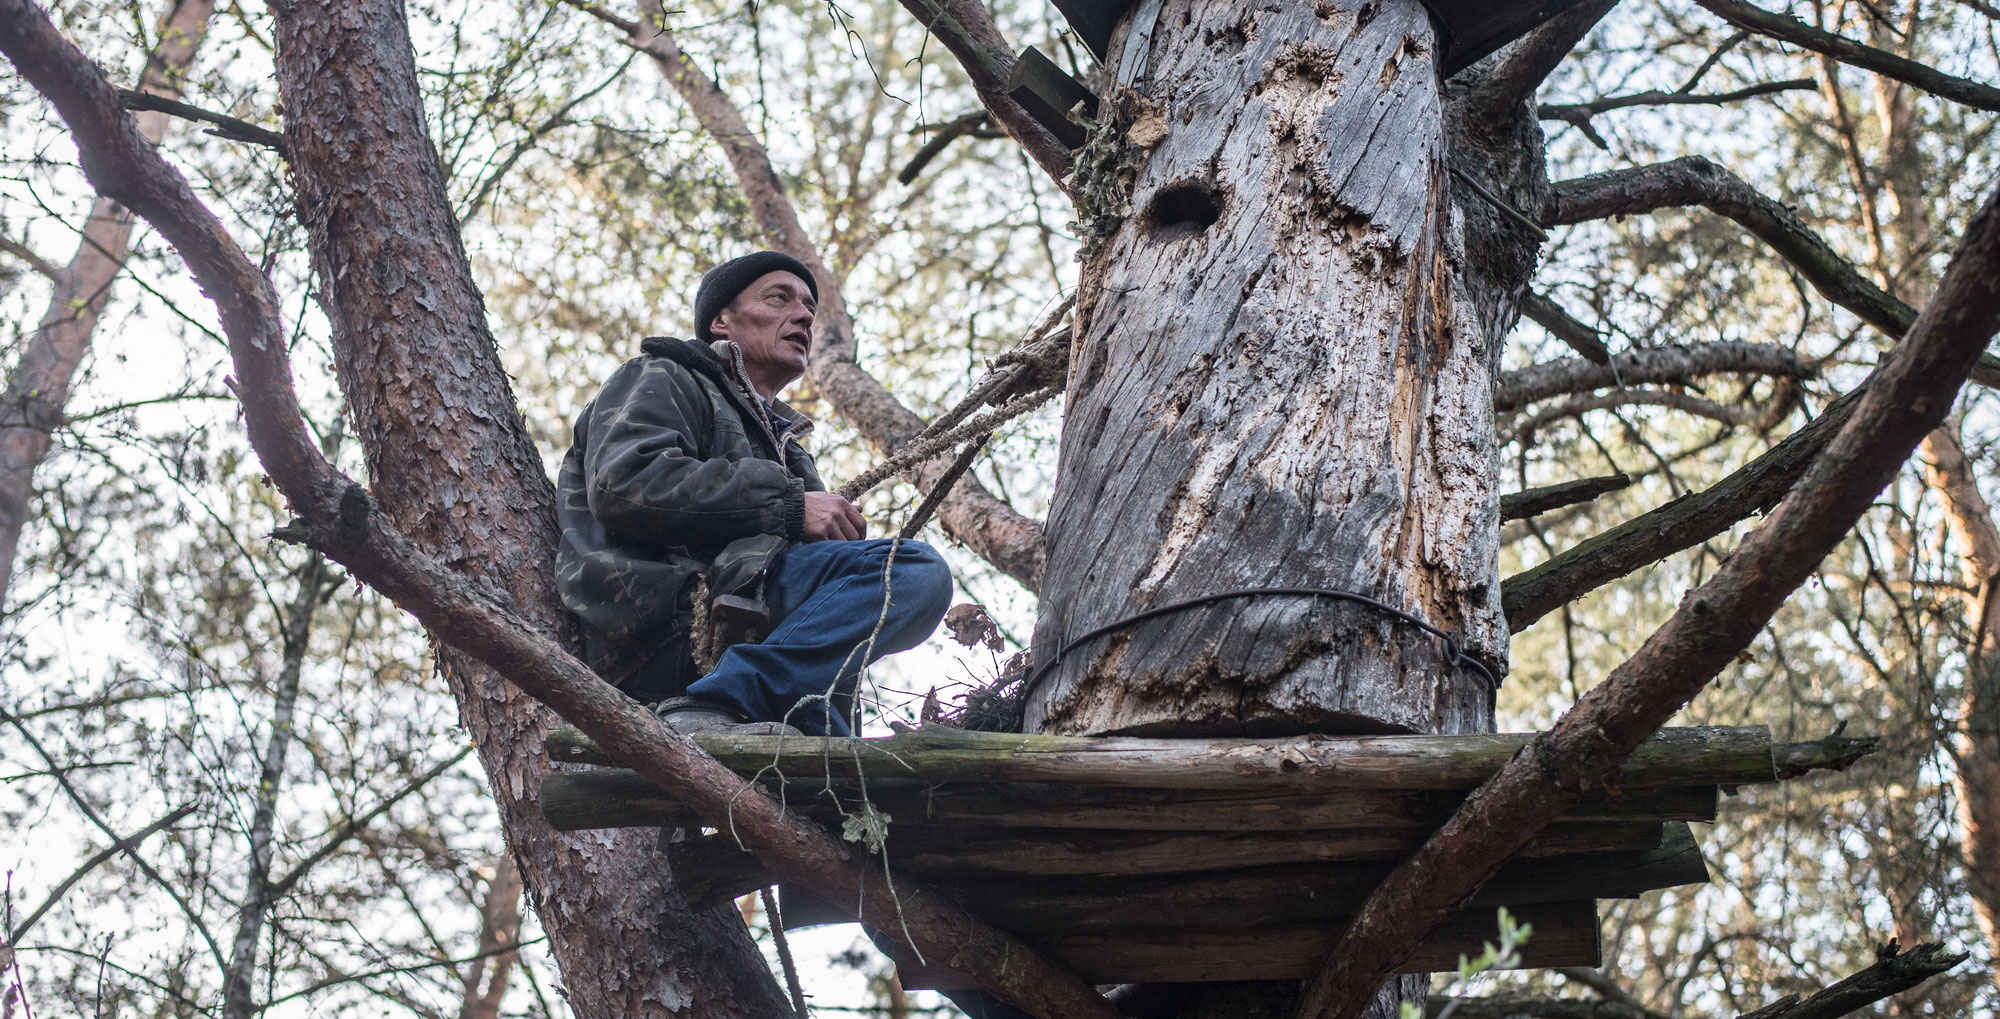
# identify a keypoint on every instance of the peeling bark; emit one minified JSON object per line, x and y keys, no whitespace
{"x":453,"y":466}
{"x":38,"y":388}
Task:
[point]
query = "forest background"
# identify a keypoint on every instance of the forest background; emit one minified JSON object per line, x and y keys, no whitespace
{"x":298,"y":826}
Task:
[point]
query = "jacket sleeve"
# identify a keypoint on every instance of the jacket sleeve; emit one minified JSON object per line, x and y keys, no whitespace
{"x":649,"y":481}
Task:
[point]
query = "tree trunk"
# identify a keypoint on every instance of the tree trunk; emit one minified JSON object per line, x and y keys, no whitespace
{"x":1280,"y":380}
{"x":38,"y":388}
{"x":452,"y":465}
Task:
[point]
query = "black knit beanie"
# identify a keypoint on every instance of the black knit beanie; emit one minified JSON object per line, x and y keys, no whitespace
{"x":720,"y":285}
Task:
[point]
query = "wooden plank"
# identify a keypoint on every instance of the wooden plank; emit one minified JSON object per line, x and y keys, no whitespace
{"x":619,"y":798}
{"x":936,"y":854}
{"x":712,"y":870}
{"x":1565,"y":934}
{"x":1704,"y":755}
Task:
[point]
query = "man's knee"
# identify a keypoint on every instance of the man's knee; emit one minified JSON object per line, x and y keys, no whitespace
{"x":924,"y":578}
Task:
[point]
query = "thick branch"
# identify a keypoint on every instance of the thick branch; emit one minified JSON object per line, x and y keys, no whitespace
{"x":1523,"y":1007}
{"x":1892,"y":973}
{"x":1847,"y":51}
{"x":1525,"y":64}
{"x":338,"y":519}
{"x":1645,"y":366}
{"x":1693,"y":180}
{"x":1910,"y":395}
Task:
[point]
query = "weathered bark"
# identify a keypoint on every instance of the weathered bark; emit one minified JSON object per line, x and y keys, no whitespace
{"x":1278,"y":381}
{"x":38,"y":387}
{"x":452,"y":464}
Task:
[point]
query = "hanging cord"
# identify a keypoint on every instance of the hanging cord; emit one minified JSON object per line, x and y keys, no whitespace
{"x":784,"y":951}
{"x":1458,"y":655}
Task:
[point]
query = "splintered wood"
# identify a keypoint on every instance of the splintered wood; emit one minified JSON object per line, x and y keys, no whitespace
{"x":1194,"y":859}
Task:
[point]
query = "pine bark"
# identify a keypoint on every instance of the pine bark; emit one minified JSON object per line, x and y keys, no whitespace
{"x":452,"y":465}
{"x":1281,"y":378}
{"x":38,"y":387}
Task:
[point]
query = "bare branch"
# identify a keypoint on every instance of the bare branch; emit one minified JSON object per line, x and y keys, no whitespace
{"x":338,"y":518}
{"x":1524,"y":1007}
{"x":224,"y":126}
{"x":1910,"y":394}
{"x":124,"y":845}
{"x":33,"y":261}
{"x":1847,"y":51}
{"x":1693,"y":180}
{"x":952,"y":130}
{"x":1893,"y":972}
{"x":1524,"y":504}
{"x":1565,"y":327}
{"x":1737,"y":414}
{"x":967,"y":30}
{"x":1524,"y":65}
{"x":1646,"y":366}
{"x":1579,"y":114}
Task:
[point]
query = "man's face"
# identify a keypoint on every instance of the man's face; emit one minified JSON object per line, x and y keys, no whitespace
{"x":771,"y":321}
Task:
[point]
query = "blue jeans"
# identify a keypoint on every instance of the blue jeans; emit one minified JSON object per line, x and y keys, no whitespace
{"x":825,"y":599}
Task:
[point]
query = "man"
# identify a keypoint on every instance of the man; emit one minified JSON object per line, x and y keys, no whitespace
{"x":686,"y":497}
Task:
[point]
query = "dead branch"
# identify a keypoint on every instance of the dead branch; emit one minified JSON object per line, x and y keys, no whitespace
{"x":966,"y":28}
{"x":29,"y":258}
{"x":1894,"y":971}
{"x":223,"y":126}
{"x":337,"y":518}
{"x":1911,"y":394}
{"x":1645,"y":366}
{"x":1525,"y":1007}
{"x":1693,"y":180}
{"x":1833,"y":752}
{"x":117,"y":847}
{"x":1578,"y":115}
{"x":970,"y":124}
{"x":1565,"y":327}
{"x":1735,"y":414}
{"x":1524,"y":504}
{"x":1524,"y":65}
{"x":1847,"y":51}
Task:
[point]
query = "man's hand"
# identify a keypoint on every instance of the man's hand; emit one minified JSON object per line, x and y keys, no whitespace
{"x":832,"y":518}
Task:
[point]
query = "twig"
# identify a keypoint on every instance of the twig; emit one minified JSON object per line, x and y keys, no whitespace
{"x":123,"y":845}
{"x":942,"y":488}
{"x":784,"y":951}
{"x":225,"y":126}
{"x":1847,"y":51}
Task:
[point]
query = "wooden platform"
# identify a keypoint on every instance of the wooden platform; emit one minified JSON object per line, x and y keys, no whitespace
{"x":1198,"y":859}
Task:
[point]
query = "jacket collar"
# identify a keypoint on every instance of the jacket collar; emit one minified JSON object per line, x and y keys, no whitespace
{"x":722,"y":360}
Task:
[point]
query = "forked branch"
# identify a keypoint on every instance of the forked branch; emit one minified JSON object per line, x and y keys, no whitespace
{"x":1789,"y":29}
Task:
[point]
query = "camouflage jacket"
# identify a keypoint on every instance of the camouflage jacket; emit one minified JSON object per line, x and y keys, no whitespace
{"x":674,"y":475}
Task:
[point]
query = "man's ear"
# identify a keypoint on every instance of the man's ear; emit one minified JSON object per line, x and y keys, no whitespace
{"x":720,"y":327}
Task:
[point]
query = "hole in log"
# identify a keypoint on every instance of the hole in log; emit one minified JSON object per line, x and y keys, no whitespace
{"x":1187,"y":208}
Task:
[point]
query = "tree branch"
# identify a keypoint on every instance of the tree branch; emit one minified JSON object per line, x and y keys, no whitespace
{"x":224,"y":126}
{"x":1527,"y":62}
{"x":337,"y":518}
{"x":952,"y":130}
{"x":967,"y":30}
{"x":1578,"y":115}
{"x":1525,"y":504}
{"x":1892,"y":973}
{"x":1565,"y":327}
{"x":1693,"y":180}
{"x":1645,"y":366}
{"x":27,"y":255}
{"x":1847,"y":51}
{"x":1511,"y":1006}
{"x":1909,"y":396}
{"x":124,"y":845}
